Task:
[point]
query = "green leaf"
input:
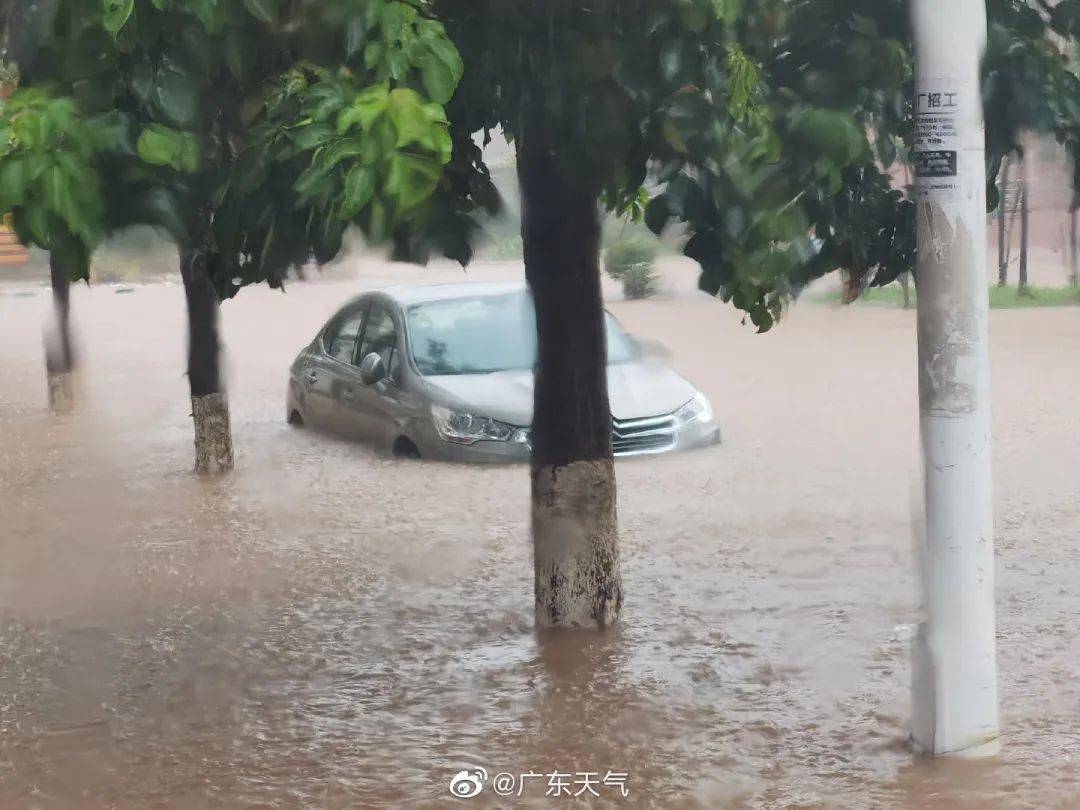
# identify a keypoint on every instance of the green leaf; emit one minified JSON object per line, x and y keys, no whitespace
{"x":211,"y":13}
{"x":368,"y":106}
{"x":176,"y":96}
{"x":60,"y":198}
{"x":438,"y":80}
{"x":407,"y":113}
{"x":313,"y":182}
{"x":342,"y":150}
{"x":441,"y":70}
{"x":378,"y":228}
{"x":359,"y":188}
{"x":412,"y":179}
{"x":727,"y":10}
{"x":263,"y":10}
{"x":13,"y":182}
{"x":355,"y":35}
{"x":161,"y":207}
{"x":161,"y":146}
{"x":72,"y":254}
{"x":393,"y":20}
{"x":117,"y":133}
{"x":117,"y":13}
{"x":313,"y":136}
{"x":327,"y":237}
{"x":240,"y":52}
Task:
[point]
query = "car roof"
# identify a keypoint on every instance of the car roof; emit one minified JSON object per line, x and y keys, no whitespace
{"x":408,"y":294}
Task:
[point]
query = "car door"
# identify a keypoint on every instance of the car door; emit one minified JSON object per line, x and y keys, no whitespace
{"x":378,"y":409}
{"x":331,"y":367}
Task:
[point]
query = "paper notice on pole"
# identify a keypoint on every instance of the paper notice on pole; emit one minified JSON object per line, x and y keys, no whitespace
{"x":938,"y":107}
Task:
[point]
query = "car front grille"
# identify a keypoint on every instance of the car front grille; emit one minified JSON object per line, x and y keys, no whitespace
{"x":653,"y":434}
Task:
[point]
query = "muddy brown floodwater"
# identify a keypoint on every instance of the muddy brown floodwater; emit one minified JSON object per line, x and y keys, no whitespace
{"x":330,"y":629}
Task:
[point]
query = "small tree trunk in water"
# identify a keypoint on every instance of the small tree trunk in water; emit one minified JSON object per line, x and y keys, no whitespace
{"x":574,"y":527}
{"x":1074,"y":249}
{"x":209,"y":407}
{"x":1022,"y":287}
{"x":59,"y":351}
{"x":1003,"y":258}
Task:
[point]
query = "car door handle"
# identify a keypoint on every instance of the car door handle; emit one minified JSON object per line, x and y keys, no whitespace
{"x":312,"y":378}
{"x":348,"y":395}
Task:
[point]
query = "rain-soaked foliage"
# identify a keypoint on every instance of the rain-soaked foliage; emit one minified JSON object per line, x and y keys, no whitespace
{"x":253,"y":131}
{"x":773,"y":130}
{"x":257,"y":130}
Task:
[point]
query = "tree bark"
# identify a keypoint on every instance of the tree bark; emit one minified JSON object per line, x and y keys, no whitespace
{"x":1003,"y":257}
{"x":574,"y":526}
{"x":59,"y":350}
{"x":209,"y":407}
{"x":1022,"y":286}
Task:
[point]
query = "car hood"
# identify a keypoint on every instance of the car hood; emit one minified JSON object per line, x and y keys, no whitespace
{"x":636,"y":390}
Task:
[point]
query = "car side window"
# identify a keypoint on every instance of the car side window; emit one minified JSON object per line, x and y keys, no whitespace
{"x":343,"y":333}
{"x":380,"y":336}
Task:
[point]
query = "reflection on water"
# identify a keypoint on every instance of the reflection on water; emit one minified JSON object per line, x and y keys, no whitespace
{"x":330,"y":629}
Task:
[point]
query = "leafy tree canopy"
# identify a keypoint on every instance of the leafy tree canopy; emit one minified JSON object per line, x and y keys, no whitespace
{"x":254,"y":131}
{"x":258,"y":129}
{"x":768,"y":128}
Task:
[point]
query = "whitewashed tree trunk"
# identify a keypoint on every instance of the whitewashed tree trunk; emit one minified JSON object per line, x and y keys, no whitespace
{"x":209,"y":406}
{"x":954,"y":680}
{"x":576,"y":544}
{"x":213,"y":434}
{"x":574,"y":526}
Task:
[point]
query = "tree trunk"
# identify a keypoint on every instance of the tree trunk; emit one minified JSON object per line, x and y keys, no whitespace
{"x":905,"y":285}
{"x":1022,"y":287}
{"x":574,"y":527}
{"x":1074,"y":249}
{"x":1003,"y":256}
{"x":209,"y":407}
{"x":59,"y":351}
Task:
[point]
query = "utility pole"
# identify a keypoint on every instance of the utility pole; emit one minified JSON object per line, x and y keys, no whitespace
{"x":954,"y":667}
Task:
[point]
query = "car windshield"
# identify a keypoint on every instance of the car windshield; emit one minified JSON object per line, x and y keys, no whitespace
{"x":487,"y":334}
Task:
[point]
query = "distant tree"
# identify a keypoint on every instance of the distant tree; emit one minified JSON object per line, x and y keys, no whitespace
{"x":50,"y":185}
{"x":1074,"y":249}
{"x":1003,"y":253}
{"x":1025,"y":224}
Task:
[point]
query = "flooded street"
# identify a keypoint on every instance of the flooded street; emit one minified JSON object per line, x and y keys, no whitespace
{"x":327,"y":628}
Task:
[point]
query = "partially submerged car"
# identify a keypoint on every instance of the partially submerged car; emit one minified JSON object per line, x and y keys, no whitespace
{"x":446,"y":372}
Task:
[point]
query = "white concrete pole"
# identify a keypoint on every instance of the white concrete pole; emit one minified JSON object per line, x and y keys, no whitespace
{"x":954,"y":672}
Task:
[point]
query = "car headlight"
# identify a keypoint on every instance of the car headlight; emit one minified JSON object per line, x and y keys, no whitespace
{"x":461,"y":427}
{"x":696,"y":410}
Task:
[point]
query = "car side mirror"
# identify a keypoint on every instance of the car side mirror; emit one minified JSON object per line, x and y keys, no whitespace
{"x":372,"y":369}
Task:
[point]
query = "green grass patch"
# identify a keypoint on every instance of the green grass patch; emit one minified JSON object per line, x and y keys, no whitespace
{"x":1000,"y":297}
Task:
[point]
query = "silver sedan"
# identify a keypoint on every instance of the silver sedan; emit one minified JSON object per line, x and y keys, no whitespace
{"x":446,"y":372}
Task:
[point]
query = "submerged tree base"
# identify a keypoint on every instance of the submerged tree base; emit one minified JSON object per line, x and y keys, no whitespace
{"x":575,"y":542}
{"x":213,"y":434}
{"x":61,"y":392}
